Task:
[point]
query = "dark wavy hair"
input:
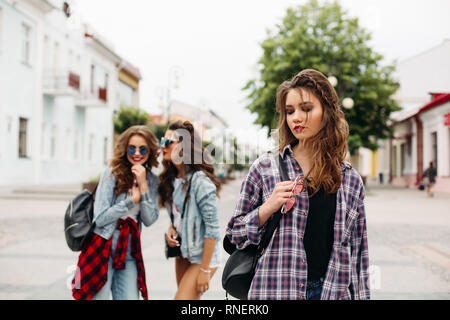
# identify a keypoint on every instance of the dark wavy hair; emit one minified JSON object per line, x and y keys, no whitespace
{"x":328,"y":146}
{"x":197,"y":152}
{"x":121,"y":167}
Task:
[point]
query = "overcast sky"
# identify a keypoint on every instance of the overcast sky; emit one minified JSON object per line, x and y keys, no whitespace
{"x":217,"y":43}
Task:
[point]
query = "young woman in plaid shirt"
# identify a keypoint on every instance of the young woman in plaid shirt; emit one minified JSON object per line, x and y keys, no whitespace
{"x":126,"y":196}
{"x":319,"y":250}
{"x":184,"y":163}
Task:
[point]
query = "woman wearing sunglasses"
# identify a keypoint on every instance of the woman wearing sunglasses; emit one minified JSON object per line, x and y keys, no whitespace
{"x":319,"y":250}
{"x":188,"y":176}
{"x":126,"y":197}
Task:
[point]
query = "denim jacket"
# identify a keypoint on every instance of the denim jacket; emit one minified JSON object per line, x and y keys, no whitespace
{"x":108,"y":208}
{"x":201,"y":218}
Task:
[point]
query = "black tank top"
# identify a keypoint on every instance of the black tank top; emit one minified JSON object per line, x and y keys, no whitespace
{"x":319,"y":235}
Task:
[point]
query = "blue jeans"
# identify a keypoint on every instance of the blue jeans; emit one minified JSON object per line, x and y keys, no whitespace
{"x":122,"y":284}
{"x":314,"y":289}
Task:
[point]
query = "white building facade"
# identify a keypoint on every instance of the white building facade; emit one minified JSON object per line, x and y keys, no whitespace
{"x":63,"y":100}
{"x":420,"y":133}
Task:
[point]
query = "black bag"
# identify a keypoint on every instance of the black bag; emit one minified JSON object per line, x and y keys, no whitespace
{"x":239,"y":269}
{"x":78,"y":220}
{"x":172,"y":252}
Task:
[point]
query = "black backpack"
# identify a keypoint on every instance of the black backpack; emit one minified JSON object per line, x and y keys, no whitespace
{"x":78,"y":220}
{"x":239,"y":270}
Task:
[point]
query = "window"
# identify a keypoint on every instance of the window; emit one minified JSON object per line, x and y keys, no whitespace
{"x":106,"y":81}
{"x":91,"y":147}
{"x":434,"y":149}
{"x":76,"y":144}
{"x":53,"y":142}
{"x":55,"y":56}
{"x":394,"y":161}
{"x":92,"y":78}
{"x":402,"y":158}
{"x":43,"y":140}
{"x":47,"y":53}
{"x":23,"y":123}
{"x":26,"y":43}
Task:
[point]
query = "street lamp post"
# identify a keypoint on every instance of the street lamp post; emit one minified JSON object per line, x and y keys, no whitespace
{"x":175,"y":72}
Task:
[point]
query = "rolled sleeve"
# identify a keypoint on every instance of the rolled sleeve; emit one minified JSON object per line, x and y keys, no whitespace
{"x":149,"y":204}
{"x":206,"y":197}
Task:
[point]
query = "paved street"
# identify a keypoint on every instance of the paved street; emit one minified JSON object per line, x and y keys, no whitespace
{"x":409,"y":246}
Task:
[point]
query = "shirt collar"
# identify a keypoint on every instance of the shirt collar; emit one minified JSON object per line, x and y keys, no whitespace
{"x":287,"y":150}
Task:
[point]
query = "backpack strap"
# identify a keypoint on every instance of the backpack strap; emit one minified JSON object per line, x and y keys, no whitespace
{"x":275,"y":221}
{"x":187,"y":195}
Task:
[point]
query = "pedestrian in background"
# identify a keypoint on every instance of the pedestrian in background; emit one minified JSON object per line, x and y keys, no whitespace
{"x":320,"y":249}
{"x":126,"y":196}
{"x":429,"y":179}
{"x":198,"y":225}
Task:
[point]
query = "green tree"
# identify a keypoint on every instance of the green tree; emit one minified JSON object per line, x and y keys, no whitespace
{"x":158,"y":130}
{"x":127,"y":117}
{"x":324,"y":38}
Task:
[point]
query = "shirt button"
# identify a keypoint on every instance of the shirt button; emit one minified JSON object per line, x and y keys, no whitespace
{"x":301,"y":285}
{"x":302,"y":297}
{"x":305,"y":213}
{"x":303,"y":260}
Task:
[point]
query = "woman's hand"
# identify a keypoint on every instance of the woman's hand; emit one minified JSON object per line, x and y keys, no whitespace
{"x":140,"y":175}
{"x":280,"y":195}
{"x":135,"y":193}
{"x":171,"y":237}
{"x":203,"y":280}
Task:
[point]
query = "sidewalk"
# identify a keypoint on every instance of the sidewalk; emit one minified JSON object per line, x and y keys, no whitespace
{"x":40,"y":192}
{"x":408,"y":235}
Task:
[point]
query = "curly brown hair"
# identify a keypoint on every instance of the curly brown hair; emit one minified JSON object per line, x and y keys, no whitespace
{"x":197,"y":152}
{"x":328,"y":146}
{"x":121,"y":167}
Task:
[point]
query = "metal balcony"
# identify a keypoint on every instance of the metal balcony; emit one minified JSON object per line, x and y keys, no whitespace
{"x":93,"y":98}
{"x":61,"y":82}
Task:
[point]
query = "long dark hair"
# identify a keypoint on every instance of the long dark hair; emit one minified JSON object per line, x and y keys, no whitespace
{"x":328,"y":146}
{"x":197,"y":151}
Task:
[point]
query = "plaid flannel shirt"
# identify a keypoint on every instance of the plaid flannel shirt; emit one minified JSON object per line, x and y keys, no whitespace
{"x":281,"y":272}
{"x":92,"y":268}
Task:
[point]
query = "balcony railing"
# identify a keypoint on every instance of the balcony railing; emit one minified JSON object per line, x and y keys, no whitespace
{"x":61,"y":82}
{"x":93,"y":98}
{"x":103,"y":94}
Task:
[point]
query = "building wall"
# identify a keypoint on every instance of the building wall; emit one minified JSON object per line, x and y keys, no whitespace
{"x":433,"y":121}
{"x":429,"y":65}
{"x":17,"y":92}
{"x":69,"y":141}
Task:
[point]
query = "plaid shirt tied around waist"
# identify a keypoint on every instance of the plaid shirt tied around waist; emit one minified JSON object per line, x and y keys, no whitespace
{"x":281,"y":272}
{"x":92,"y":269}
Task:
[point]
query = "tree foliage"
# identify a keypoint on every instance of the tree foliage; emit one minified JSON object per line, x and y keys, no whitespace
{"x":127,"y":117}
{"x":324,"y":38}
